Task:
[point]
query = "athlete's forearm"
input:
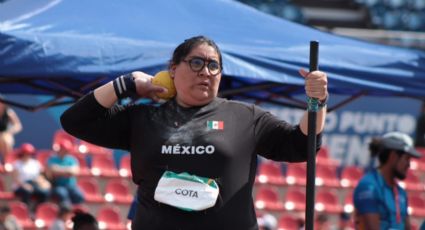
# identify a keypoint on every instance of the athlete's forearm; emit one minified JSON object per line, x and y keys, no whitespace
{"x":105,"y":95}
{"x":320,"y":124}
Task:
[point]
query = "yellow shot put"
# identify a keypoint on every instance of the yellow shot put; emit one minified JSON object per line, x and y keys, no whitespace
{"x":164,"y":79}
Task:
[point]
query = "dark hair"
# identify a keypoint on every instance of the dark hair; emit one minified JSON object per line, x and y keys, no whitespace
{"x":375,"y":146}
{"x":81,"y":219}
{"x":384,"y":154}
{"x":188,"y":45}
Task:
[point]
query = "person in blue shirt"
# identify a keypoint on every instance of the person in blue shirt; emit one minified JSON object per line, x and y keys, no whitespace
{"x":62,"y":169}
{"x":379,"y":201}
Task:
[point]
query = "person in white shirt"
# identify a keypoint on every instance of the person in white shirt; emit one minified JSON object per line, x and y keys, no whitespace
{"x":29,"y":183}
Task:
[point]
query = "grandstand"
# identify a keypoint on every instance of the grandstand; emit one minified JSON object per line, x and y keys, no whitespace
{"x":392,"y":22}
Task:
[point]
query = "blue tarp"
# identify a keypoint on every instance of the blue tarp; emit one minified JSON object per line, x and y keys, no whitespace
{"x":58,"y":47}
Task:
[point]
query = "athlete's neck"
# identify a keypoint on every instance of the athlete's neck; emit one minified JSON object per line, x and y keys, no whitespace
{"x":388,"y":175}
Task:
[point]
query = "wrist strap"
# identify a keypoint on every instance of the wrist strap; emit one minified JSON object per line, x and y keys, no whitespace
{"x":323,"y":103}
{"x":124,"y":86}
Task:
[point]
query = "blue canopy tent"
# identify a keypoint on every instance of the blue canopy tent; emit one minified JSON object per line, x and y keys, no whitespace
{"x":67,"y":48}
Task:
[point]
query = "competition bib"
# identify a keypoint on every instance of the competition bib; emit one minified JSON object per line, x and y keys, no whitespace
{"x":186,"y":192}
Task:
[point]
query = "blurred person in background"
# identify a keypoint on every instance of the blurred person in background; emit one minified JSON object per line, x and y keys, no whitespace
{"x":7,"y":220}
{"x":29,"y":182}
{"x":84,"y":221}
{"x":267,"y":221}
{"x":63,"y":218}
{"x":9,"y":126}
{"x":420,"y":128}
{"x":380,"y":203}
{"x":194,"y":137}
{"x":323,"y":222}
{"x":62,"y":169}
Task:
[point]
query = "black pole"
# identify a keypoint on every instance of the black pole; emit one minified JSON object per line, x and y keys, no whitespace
{"x":311,"y":144}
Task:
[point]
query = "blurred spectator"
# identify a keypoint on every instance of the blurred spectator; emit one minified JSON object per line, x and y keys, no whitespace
{"x":64,"y":216}
{"x":29,"y":184}
{"x":84,"y":221}
{"x":322,"y":222}
{"x":267,"y":222}
{"x":380,"y":202}
{"x":344,"y":221}
{"x":9,"y":126}
{"x":62,"y":169}
{"x":420,"y":128}
{"x":7,"y":220}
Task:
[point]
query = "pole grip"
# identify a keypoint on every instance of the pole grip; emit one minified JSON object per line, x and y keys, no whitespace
{"x":313,"y":103}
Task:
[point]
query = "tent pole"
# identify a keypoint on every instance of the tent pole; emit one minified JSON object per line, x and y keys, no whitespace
{"x":312,"y":107}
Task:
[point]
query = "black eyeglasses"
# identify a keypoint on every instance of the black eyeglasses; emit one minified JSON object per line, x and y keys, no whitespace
{"x":197,"y":64}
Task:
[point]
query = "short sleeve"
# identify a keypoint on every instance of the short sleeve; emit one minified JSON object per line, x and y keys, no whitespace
{"x":366,"y":199}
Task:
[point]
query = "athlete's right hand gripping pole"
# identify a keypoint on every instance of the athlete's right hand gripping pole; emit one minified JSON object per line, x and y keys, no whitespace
{"x":312,"y":107}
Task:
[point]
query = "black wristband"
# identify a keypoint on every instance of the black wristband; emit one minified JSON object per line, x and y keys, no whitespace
{"x":124,"y":86}
{"x":323,"y":103}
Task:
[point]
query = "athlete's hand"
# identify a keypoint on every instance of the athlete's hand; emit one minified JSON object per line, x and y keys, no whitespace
{"x":316,"y":84}
{"x":144,"y":86}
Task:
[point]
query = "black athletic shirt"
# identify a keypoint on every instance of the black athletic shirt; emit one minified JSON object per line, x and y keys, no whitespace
{"x":219,"y":140}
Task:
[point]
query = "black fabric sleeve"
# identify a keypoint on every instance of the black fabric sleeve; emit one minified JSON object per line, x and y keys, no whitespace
{"x":279,"y":140}
{"x":90,"y":121}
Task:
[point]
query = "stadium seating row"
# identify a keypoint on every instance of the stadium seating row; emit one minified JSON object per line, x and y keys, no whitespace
{"x":116,"y":190}
{"x":108,"y":216}
{"x":327,"y":200}
{"x":94,"y":165}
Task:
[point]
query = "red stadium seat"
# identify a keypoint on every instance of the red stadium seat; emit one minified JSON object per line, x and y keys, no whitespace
{"x":327,"y":201}
{"x":118,"y":190}
{"x":20,"y":211}
{"x":296,"y":174}
{"x":84,"y":168}
{"x":412,"y":182}
{"x":104,"y":165}
{"x":322,"y":158}
{"x":326,"y":176}
{"x":125,"y":166}
{"x":80,"y":208}
{"x":269,"y":172}
{"x":416,"y":205}
{"x":43,"y":155}
{"x":4,"y":194}
{"x":59,"y":136}
{"x":268,"y":198}
{"x":287,"y":222}
{"x":90,"y":189}
{"x":109,"y":218}
{"x":348,"y":203}
{"x":414,"y":225}
{"x":418,"y":164}
{"x":46,"y":214}
{"x":89,"y":148}
{"x":350,"y":176}
{"x":10,"y":158}
{"x":294,"y":199}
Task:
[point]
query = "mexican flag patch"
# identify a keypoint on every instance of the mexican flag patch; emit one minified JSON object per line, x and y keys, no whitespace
{"x":217,"y":125}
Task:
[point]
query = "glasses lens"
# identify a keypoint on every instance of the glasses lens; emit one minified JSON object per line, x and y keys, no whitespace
{"x":196,"y":64}
{"x":214,"y":67}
